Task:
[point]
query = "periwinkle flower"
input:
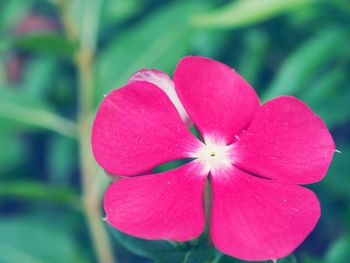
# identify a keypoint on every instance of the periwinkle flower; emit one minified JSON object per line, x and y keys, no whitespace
{"x":256,"y":157}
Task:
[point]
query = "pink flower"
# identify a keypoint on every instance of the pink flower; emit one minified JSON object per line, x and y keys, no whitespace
{"x":256,"y":156}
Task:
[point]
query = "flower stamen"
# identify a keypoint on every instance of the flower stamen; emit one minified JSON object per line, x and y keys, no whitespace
{"x":213,"y":155}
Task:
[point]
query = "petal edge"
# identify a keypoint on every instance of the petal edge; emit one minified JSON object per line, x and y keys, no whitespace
{"x":158,"y":206}
{"x":137,"y":128}
{"x":219,"y":101}
{"x":260,"y":219}
{"x":286,"y":141}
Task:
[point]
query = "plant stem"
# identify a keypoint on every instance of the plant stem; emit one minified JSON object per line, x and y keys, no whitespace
{"x":91,"y":197}
{"x":84,"y":62}
{"x":207,"y":207}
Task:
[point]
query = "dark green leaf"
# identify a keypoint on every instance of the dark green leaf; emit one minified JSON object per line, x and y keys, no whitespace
{"x":158,"y":41}
{"x":12,"y":153}
{"x":335,"y":110}
{"x":327,"y":85}
{"x":228,"y":259}
{"x":253,"y":56}
{"x":38,"y":75}
{"x":209,"y":43}
{"x":190,"y":256}
{"x":339,"y":252}
{"x":288,"y":259}
{"x":338,"y":173}
{"x":62,"y":159}
{"x":310,"y":259}
{"x":141,"y":247}
{"x":301,"y":66}
{"x":46,"y":43}
{"x":323,"y":96}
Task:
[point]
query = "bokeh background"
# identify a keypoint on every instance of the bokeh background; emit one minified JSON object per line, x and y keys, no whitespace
{"x":58,"y":58}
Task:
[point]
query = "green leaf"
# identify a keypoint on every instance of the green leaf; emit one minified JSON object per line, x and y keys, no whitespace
{"x":310,"y":259}
{"x":209,"y":43}
{"x":288,"y":259}
{"x":38,"y":76}
{"x":17,"y":109}
{"x":158,"y":41}
{"x":142,"y":247}
{"x":190,"y":256}
{"x":253,"y":56}
{"x":228,"y":259}
{"x":46,"y":43}
{"x":62,"y":158}
{"x":12,"y":153}
{"x":247,"y":12}
{"x":31,"y":190}
{"x":23,"y":239}
{"x":335,"y":110}
{"x":162,"y":251}
{"x":327,"y":85}
{"x":329,"y":95}
{"x":339,"y":251}
{"x":338,"y":172}
{"x":117,"y":11}
{"x":302,"y":65}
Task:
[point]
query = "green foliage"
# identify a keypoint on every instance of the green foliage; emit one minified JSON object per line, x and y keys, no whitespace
{"x":289,"y":259}
{"x":34,"y":241}
{"x":247,"y":12}
{"x":47,"y":44}
{"x":14,"y":154}
{"x":191,"y":256}
{"x":141,"y":247}
{"x":339,"y":252}
{"x":21,"y":111}
{"x":307,"y":61}
{"x":159,"y":41}
{"x":162,"y":251}
{"x":35,"y":191}
{"x":62,"y":159}
{"x":290,"y":47}
{"x":338,"y":173}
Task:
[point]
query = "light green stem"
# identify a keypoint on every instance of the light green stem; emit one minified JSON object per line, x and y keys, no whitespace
{"x":84,"y":62}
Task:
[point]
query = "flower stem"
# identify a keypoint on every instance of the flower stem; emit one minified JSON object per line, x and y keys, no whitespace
{"x":207,"y":207}
{"x":84,"y":58}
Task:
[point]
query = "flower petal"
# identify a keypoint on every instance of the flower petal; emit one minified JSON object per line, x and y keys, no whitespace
{"x":137,"y":128}
{"x":158,"y":206}
{"x":218,"y":100}
{"x":286,"y":141}
{"x":259,"y":219}
{"x":165,"y":83}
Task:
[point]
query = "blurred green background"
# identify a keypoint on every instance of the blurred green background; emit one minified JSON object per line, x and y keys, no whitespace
{"x":58,"y":58}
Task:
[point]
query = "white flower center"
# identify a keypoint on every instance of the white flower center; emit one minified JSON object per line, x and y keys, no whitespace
{"x":213,"y":156}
